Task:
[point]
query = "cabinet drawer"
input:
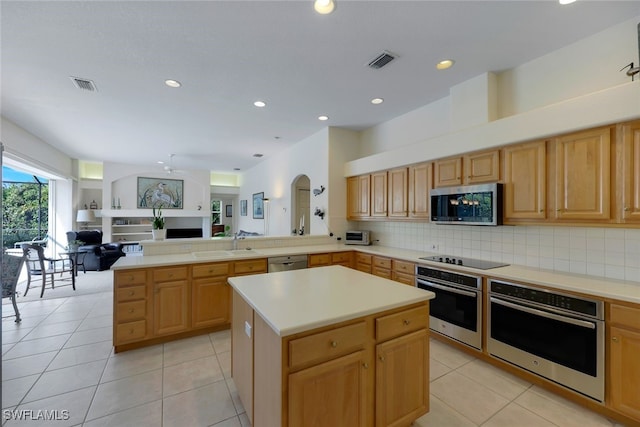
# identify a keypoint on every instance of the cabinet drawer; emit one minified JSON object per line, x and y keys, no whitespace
{"x":169,"y":274}
{"x":131,"y":331}
{"x":625,"y":316}
{"x":131,"y":293}
{"x":382,"y":272}
{"x":404,"y":267}
{"x":133,"y":310}
{"x":209,"y":270}
{"x":316,"y":260}
{"x":251,"y":266}
{"x":326,"y":345}
{"x":381,"y":262}
{"x":341,"y":257}
{"x":407,"y":279}
{"x":133,"y":277}
{"x":401,"y":323}
{"x":363,"y":259}
{"x":366,"y":268}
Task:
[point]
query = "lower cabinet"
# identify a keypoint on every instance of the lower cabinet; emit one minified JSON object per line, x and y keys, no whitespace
{"x":171,"y":302}
{"x":210,"y":295}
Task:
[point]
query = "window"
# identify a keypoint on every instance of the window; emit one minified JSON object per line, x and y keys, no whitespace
{"x":216,"y":211}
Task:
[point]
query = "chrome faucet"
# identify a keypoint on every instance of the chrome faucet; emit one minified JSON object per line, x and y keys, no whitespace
{"x":235,"y":241}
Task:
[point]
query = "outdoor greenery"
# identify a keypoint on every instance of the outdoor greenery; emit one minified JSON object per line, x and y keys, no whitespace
{"x":20,"y":213}
{"x":216,"y":211}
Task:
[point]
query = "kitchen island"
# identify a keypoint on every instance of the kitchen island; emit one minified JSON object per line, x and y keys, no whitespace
{"x":330,"y":344}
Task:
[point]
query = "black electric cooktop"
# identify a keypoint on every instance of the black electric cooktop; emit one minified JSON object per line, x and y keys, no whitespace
{"x":480,"y":264}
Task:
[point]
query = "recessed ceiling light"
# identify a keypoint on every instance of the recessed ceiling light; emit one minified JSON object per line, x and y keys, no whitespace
{"x":260,"y":104}
{"x":160,"y":162}
{"x":443,"y":65}
{"x":566,"y":1}
{"x":172,"y":83}
{"x":324,"y":7}
{"x":258,"y":155}
{"x":377,"y":101}
{"x":323,"y":118}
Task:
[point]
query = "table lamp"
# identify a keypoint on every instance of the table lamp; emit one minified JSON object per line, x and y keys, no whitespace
{"x":85,"y":216}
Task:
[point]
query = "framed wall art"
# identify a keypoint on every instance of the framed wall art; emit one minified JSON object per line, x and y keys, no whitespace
{"x":258,"y":205}
{"x":243,"y":208}
{"x":160,"y":193}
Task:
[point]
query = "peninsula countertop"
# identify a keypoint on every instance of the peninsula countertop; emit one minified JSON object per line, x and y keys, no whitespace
{"x":301,"y":300}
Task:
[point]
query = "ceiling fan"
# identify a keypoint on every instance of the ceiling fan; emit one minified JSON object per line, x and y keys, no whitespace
{"x":170,"y":170}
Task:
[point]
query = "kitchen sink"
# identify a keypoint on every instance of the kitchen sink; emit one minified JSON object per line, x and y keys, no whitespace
{"x":243,"y":252}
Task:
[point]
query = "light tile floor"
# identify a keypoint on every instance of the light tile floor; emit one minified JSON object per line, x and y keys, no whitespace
{"x":61,"y":358}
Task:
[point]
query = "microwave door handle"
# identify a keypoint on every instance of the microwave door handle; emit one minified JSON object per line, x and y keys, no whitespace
{"x":447,"y":288}
{"x":581,"y":323}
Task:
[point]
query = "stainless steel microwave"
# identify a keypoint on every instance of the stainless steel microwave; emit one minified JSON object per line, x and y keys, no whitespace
{"x":357,"y":238}
{"x":467,"y":205}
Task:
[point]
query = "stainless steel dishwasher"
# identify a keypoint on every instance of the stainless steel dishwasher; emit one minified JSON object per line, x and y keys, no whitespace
{"x":286,"y":263}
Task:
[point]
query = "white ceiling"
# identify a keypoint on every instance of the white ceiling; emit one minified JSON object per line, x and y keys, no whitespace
{"x":227,"y":54}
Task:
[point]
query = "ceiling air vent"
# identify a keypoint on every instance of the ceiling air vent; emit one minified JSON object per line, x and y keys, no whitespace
{"x":84,"y":84}
{"x":381,"y":60}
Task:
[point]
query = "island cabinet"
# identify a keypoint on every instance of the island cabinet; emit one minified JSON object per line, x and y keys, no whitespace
{"x":624,"y":359}
{"x":171,"y":300}
{"x":211,"y":298}
{"x":132,"y":306}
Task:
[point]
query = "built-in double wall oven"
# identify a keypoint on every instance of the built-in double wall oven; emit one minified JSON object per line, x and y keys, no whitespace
{"x":555,"y":335}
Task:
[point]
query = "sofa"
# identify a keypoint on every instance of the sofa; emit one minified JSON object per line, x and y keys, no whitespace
{"x":100,"y":256}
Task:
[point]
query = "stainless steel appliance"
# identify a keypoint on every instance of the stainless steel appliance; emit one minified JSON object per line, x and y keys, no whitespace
{"x":480,"y":264}
{"x":286,"y":263}
{"x":467,"y":205}
{"x":555,"y":335}
{"x":359,"y":237}
{"x":456,"y":311}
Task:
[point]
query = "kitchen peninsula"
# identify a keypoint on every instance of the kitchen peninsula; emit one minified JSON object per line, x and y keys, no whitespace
{"x":330,"y":344}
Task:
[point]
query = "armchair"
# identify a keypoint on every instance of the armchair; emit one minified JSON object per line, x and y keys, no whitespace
{"x":100,"y":256}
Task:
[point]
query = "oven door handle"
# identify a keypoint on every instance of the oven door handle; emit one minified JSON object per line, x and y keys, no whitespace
{"x":581,"y":323}
{"x":448,"y":288}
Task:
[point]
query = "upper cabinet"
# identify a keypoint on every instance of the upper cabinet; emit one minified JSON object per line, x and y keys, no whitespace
{"x":358,"y":194}
{"x":420,"y":182}
{"x":379,"y":194}
{"x":398,"y":192}
{"x":473,"y":168}
{"x":582,"y":175}
{"x":629,"y":176}
{"x":525,"y":181}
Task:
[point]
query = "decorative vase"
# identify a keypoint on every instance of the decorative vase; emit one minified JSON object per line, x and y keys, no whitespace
{"x":159,"y":233}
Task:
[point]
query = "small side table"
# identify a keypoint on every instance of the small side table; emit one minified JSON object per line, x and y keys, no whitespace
{"x":77,"y":259}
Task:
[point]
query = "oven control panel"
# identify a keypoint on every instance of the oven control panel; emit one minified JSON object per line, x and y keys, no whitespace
{"x":449,"y":277}
{"x":540,"y":296}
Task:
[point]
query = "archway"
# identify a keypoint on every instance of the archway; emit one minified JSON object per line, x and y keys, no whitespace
{"x":301,"y":205}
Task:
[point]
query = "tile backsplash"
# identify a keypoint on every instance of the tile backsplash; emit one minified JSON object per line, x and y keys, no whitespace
{"x":605,"y":252}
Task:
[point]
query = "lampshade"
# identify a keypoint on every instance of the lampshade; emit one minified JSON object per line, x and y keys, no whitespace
{"x":85,"y":215}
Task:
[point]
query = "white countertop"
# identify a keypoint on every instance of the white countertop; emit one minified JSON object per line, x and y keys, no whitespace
{"x":301,"y":300}
{"x":591,"y":285}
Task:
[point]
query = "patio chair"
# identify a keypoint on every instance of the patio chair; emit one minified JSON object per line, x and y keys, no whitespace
{"x":38,"y":265}
{"x":11,"y":268}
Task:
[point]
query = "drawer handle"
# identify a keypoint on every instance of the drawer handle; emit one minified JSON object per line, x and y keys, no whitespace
{"x":130,"y":331}
{"x":381,"y":358}
{"x":334,"y":344}
{"x":131,"y":293}
{"x":365,"y":365}
{"x":406,"y":322}
{"x":614,"y":339}
{"x":131,"y":310}
{"x":170,"y":274}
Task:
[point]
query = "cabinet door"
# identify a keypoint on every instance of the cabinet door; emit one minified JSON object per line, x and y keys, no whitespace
{"x":525,"y":181}
{"x":358,"y":196}
{"x":583,"y":175}
{"x":210,"y":302}
{"x":402,"y":379}
{"x":379,"y":194}
{"x":333,"y":393}
{"x":398,"y":192}
{"x":171,"y":307}
{"x":624,"y":371}
{"x":631,"y":171}
{"x":420,"y":182}
{"x":447,"y":172}
{"x":481,"y":167}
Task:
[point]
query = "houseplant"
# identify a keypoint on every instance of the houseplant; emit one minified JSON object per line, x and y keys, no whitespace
{"x":157,"y":224}
{"x":73,"y":245}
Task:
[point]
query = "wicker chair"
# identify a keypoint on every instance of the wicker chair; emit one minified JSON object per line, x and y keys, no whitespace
{"x":38,"y":265}
{"x":11,"y":268}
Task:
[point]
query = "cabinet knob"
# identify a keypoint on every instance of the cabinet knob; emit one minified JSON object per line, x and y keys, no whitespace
{"x":541,"y":210}
{"x":130,"y":331}
{"x":614,"y":339}
{"x":406,"y":322}
{"x":558,"y":210}
{"x":334,"y":344}
{"x":170,"y":274}
{"x":627,"y":208}
{"x":131,"y":310}
{"x":365,"y":365}
{"x":381,"y":358}
{"x":131,"y":293}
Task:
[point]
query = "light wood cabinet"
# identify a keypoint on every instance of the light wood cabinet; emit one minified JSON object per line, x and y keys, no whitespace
{"x":381,"y":266}
{"x":481,"y":167}
{"x":403,"y":272}
{"x":447,"y":172}
{"x":379,"y":194}
{"x":132,"y":305}
{"x":582,"y":175}
{"x":318,"y":260}
{"x":363,"y":262}
{"x":624,"y":360}
{"x":250,"y":266}
{"x":420,"y":182}
{"x":525,"y":181}
{"x":358,"y":195}
{"x":398,"y":192}
{"x":402,"y":379}
{"x":171,"y":302}
{"x":342,"y":258}
{"x":210,"y":295}
{"x":629,"y":175}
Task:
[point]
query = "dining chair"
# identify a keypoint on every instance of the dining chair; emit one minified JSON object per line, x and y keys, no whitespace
{"x":38,"y":265}
{"x":11,"y":268}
